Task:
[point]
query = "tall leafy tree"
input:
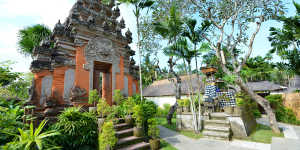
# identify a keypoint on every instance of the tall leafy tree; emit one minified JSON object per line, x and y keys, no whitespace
{"x":30,"y":37}
{"x":139,"y":5}
{"x":286,"y":41}
{"x":170,"y":27}
{"x":231,"y":22}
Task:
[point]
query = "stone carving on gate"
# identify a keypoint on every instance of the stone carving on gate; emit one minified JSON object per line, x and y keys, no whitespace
{"x":99,"y":49}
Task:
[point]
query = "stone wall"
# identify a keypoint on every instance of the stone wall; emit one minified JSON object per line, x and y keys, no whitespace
{"x":292,"y":101}
{"x":242,"y":125}
{"x":184,"y":121}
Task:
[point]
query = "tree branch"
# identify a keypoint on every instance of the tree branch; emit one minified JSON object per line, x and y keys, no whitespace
{"x":250,"y":47}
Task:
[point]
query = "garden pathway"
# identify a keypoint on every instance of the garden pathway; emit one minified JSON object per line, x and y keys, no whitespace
{"x":182,"y":142}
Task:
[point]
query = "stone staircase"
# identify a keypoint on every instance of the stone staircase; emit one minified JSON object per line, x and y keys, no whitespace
{"x":126,"y":139}
{"x":217,"y":127}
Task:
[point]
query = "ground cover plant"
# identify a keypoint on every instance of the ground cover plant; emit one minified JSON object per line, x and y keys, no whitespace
{"x":166,"y":146}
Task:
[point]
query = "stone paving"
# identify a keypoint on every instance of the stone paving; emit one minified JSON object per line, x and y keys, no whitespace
{"x":181,"y":142}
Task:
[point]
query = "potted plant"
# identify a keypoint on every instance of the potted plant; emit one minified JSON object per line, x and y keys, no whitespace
{"x":129,"y":105}
{"x":186,"y":105}
{"x":138,"y":116}
{"x":118,"y":97}
{"x":107,"y":137}
{"x":153,"y":132}
{"x":180,"y":105}
{"x":93,"y":98}
{"x":103,"y":109}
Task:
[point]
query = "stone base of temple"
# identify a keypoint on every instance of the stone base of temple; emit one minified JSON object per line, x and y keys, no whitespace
{"x":219,"y":125}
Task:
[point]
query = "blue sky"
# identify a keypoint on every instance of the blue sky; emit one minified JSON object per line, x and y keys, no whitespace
{"x":17,"y":14}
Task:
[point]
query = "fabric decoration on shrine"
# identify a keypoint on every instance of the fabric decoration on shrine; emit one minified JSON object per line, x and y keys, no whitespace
{"x":210,"y":93}
{"x":229,"y":101}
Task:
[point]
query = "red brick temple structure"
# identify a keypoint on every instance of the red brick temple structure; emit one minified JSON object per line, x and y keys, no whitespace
{"x":86,"y":52}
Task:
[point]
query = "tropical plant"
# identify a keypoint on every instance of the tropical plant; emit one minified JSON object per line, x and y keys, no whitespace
{"x":107,"y":137}
{"x":10,"y":119}
{"x":78,"y":129}
{"x":31,"y":37}
{"x":283,"y":114}
{"x":103,"y":108}
{"x":118,"y":96}
{"x":128,"y":105}
{"x":33,"y":139}
{"x":180,"y":102}
{"x":153,"y":130}
{"x":186,"y":102}
{"x":93,"y":97}
{"x":6,"y":74}
{"x":138,"y":115}
{"x":170,"y":28}
{"x":286,"y":41}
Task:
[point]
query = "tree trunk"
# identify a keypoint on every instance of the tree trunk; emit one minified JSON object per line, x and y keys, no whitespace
{"x":262,"y":102}
{"x":178,"y":96}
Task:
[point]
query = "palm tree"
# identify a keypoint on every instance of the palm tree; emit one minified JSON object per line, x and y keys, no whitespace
{"x":139,"y":5}
{"x":30,"y":37}
{"x":32,"y":139}
{"x":195,"y":34}
{"x":170,"y":28}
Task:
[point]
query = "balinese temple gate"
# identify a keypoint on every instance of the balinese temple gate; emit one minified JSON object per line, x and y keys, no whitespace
{"x":88,"y":51}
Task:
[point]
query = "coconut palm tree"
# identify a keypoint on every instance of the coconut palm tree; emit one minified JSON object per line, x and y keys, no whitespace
{"x":30,"y":37}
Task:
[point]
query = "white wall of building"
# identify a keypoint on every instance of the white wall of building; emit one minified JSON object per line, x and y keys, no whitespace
{"x":161,"y":100}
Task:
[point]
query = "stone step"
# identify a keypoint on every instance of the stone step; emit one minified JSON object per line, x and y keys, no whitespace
{"x":218,"y":116}
{"x":124,"y":133}
{"x":119,"y":120}
{"x":138,"y":146}
{"x":122,"y":126}
{"x":129,"y":141}
{"x":216,"y":128}
{"x":213,"y":122}
{"x":216,"y":135}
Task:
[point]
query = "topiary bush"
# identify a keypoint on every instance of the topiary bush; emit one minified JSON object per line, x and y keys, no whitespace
{"x":79,"y":130}
{"x":282,"y":113}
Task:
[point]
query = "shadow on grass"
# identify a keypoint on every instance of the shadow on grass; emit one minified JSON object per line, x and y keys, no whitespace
{"x":166,"y":146}
{"x":262,"y":134}
{"x":163,"y":122}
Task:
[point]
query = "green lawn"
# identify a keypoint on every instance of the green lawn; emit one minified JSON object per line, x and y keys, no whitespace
{"x":191,"y":134}
{"x":166,"y":146}
{"x":263,"y":134}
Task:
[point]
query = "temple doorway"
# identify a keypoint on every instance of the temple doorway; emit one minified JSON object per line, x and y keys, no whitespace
{"x":102,"y":80}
